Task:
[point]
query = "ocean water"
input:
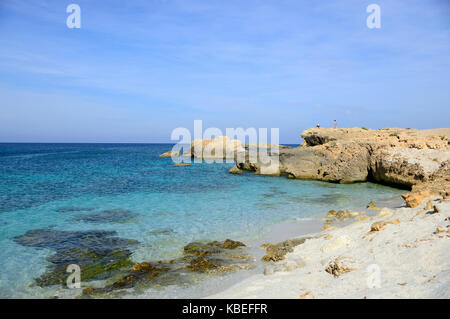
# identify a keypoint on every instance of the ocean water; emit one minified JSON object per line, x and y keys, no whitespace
{"x":75,"y":187}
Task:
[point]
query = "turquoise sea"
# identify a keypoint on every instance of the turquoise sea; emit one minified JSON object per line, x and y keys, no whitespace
{"x":129,"y":189}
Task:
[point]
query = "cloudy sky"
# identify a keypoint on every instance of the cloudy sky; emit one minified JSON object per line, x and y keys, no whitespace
{"x":136,"y":70}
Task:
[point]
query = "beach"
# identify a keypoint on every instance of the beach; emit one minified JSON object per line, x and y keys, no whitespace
{"x":409,"y":255}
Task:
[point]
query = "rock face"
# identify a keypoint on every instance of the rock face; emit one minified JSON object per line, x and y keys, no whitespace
{"x":407,"y":158}
{"x":220,"y":147}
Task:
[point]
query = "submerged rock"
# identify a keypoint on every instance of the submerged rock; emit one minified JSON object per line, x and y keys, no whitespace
{"x":200,"y":249}
{"x":98,"y":253}
{"x":219,"y":148}
{"x":202,"y":264}
{"x":107,"y":216}
{"x":70,"y":209}
{"x":414,"y":199}
{"x":380,"y":225}
{"x":170,"y":154}
{"x":228,"y":244}
{"x":198,"y":257}
{"x":342,"y":214}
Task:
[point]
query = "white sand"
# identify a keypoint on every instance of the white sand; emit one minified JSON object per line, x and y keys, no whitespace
{"x":411,"y":259}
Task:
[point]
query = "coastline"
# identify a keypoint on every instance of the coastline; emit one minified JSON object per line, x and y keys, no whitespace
{"x":215,"y":286}
{"x":410,"y":255}
{"x":343,"y":254}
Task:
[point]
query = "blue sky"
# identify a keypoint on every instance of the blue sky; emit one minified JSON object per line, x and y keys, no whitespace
{"x":138,"y":69}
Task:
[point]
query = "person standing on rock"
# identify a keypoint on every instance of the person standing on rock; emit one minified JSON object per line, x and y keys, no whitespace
{"x":335,"y":124}
{"x":318,"y":125}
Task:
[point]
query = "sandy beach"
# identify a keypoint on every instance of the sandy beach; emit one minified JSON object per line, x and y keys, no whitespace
{"x":398,"y":253}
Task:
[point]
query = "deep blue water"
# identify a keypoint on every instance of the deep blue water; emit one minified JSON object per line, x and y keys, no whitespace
{"x":70,"y":186}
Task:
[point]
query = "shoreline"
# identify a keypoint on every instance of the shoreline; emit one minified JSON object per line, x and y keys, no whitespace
{"x":278,"y":232}
{"x":419,"y":228}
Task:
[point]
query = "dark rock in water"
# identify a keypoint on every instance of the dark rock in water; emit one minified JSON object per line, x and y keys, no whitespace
{"x":228,"y":244}
{"x":98,"y":253}
{"x":278,"y":251}
{"x":107,"y":216}
{"x":198,"y":258}
{"x":73,"y":209}
{"x":200,"y":249}
{"x":202,"y":264}
{"x":145,"y":272}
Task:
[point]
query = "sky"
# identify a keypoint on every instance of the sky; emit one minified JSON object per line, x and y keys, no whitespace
{"x":136,"y":70}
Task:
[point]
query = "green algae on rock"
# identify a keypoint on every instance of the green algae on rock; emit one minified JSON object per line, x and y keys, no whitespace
{"x":278,"y":251}
{"x":99,"y":254}
{"x":198,"y":258}
{"x":71,"y":209}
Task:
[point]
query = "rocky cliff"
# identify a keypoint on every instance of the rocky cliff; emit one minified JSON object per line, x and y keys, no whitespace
{"x":407,"y":158}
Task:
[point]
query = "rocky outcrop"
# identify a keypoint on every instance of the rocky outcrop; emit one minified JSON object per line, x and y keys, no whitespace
{"x":216,"y":148}
{"x":235,"y":170}
{"x":408,"y":158}
{"x":169,"y":154}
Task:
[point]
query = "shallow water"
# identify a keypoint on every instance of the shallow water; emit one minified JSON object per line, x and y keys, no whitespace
{"x":75,"y":187}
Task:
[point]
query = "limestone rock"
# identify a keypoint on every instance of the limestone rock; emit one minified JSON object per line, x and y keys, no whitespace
{"x":277,"y":252}
{"x":217,"y":148}
{"x":401,"y":157}
{"x":170,"y":154}
{"x":380,"y":225}
{"x":372,"y":206}
{"x":235,"y":170}
{"x":228,"y":244}
{"x":339,"y":266}
{"x":414,"y":199}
